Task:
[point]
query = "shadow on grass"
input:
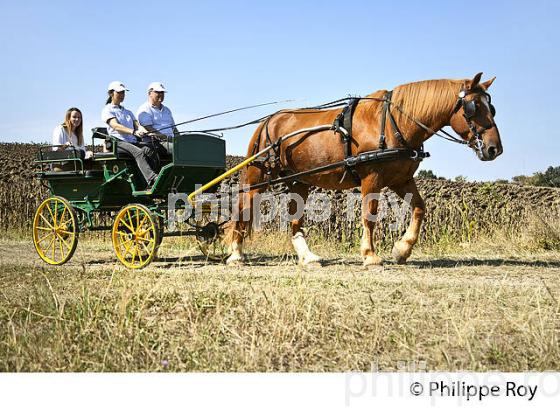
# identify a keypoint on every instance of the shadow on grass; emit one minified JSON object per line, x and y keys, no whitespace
{"x":422,"y":264}
{"x":161,"y":262}
{"x":282,"y":260}
{"x":458,"y":262}
{"x":453,"y":262}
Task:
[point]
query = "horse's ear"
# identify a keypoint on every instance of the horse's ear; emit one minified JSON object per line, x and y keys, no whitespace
{"x":474,"y":82}
{"x":488,"y":83}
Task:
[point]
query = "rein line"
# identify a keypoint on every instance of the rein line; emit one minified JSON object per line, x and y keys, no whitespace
{"x":332,"y":104}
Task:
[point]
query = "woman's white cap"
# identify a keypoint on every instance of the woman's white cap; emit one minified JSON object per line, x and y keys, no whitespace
{"x":156,"y":86}
{"x":116,"y":86}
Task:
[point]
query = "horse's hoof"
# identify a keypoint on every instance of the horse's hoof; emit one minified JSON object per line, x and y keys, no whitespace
{"x":235,"y":261}
{"x":399,"y":256}
{"x":372,"y":261}
{"x":311,"y":261}
{"x":312,"y":264}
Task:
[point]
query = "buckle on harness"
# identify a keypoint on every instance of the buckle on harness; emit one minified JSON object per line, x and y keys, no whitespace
{"x":351,"y":161}
{"x":343,"y":131}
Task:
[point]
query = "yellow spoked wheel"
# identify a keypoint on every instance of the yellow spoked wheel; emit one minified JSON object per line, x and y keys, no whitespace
{"x":55,"y":230}
{"x":135,"y":236}
{"x":210,"y":237}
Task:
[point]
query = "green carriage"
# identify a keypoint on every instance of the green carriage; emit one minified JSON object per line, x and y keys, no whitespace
{"x":110,"y":183}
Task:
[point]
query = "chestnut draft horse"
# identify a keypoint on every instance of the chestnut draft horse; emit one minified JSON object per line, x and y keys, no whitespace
{"x":419,"y":110}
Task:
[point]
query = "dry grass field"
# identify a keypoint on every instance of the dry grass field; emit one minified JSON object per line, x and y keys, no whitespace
{"x":482,"y":307}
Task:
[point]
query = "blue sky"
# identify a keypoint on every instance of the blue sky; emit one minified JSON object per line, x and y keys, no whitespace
{"x":214,"y":56}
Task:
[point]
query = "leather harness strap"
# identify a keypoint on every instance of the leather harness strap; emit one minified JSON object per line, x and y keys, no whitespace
{"x":265,"y":164}
{"x":386,"y":103}
{"x":396,"y":132}
{"x":343,"y":125}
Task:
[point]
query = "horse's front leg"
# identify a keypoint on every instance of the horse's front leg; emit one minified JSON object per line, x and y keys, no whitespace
{"x":403,"y":247}
{"x":370,"y":200}
{"x":305,"y":256}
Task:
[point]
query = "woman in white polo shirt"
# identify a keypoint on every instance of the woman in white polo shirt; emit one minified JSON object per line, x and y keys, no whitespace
{"x":122,"y":125}
{"x":70,"y":134}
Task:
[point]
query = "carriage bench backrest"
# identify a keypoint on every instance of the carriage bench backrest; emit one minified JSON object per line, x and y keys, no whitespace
{"x":69,"y":160}
{"x":110,"y":152}
{"x":101,"y":134}
{"x":59,"y":155}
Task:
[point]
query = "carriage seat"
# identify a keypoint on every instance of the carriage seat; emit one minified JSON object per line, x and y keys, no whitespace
{"x":64,"y":169}
{"x":55,"y":162}
{"x":101,"y":132}
{"x":70,"y":162}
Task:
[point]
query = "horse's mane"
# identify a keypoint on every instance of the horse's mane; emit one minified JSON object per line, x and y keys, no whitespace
{"x":423,"y":100}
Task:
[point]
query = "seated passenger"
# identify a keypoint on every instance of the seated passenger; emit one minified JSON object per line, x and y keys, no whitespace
{"x":122,"y":125}
{"x":156,"y":117}
{"x":69,"y":135}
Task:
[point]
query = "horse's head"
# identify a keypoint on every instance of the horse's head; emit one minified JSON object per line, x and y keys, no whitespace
{"x":473,"y":119}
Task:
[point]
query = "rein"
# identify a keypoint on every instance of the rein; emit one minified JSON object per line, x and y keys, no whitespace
{"x":332,"y":104}
{"x":223,"y":113}
{"x":387,"y":100}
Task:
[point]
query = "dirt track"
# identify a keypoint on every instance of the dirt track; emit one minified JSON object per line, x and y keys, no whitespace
{"x":96,"y":255}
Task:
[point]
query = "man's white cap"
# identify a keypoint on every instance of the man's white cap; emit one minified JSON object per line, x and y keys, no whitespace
{"x":156,"y":86}
{"x":116,"y":86}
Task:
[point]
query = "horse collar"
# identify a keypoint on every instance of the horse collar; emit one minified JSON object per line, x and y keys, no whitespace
{"x":343,"y":125}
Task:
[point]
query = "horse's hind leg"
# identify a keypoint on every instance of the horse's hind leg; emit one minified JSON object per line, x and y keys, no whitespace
{"x":305,"y":256}
{"x":370,"y":197}
{"x":403,"y":247}
{"x":239,"y":229}
{"x":241,"y":221}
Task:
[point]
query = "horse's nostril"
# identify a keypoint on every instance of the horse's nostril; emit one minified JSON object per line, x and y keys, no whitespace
{"x":491,"y":152}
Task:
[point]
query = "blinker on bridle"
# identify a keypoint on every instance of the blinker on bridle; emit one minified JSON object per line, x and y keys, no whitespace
{"x":469,"y":111}
{"x":470,"y":107}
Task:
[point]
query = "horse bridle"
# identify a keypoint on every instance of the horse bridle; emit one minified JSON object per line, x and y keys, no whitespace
{"x":469,"y":111}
